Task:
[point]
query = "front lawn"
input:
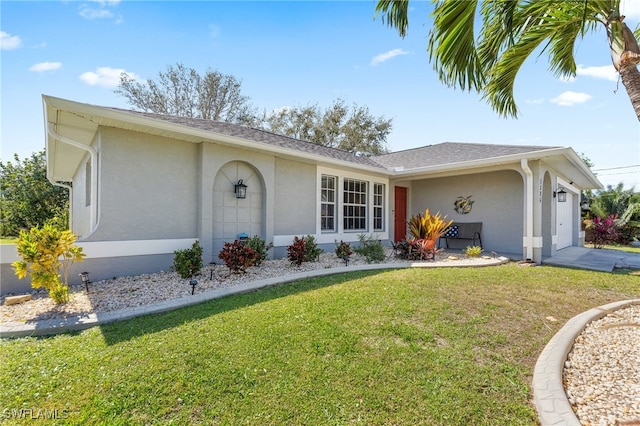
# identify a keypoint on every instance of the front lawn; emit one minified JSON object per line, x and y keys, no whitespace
{"x":402,"y":347}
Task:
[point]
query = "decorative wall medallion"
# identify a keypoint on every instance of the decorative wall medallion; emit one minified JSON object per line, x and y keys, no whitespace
{"x":463,"y":204}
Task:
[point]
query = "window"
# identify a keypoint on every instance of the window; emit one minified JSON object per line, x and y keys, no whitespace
{"x":87,"y":184}
{"x":355,"y":205}
{"x":328,"y":203}
{"x":378,"y":207}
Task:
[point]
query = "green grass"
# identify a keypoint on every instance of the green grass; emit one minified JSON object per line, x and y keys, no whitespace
{"x":402,"y":347}
{"x":8,"y":240}
{"x":623,"y":248}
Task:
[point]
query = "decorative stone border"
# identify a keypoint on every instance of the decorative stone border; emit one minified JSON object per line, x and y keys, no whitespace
{"x":549,"y":395}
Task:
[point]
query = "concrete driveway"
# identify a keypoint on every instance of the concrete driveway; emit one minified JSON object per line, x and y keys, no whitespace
{"x":593,"y":259}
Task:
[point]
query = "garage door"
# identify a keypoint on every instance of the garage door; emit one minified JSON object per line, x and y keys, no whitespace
{"x":565,"y":223}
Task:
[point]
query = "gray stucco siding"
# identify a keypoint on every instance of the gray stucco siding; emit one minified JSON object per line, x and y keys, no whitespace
{"x":148,"y":187}
{"x":295,"y":194}
{"x":81,"y":214}
{"x":498,"y":201}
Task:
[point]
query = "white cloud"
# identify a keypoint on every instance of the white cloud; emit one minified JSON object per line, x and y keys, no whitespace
{"x":101,"y":12}
{"x":90,"y":13}
{"x":605,"y":72}
{"x":46,"y":66}
{"x":9,"y":42}
{"x":105,"y":76}
{"x":569,"y":98}
{"x":383,"y":57}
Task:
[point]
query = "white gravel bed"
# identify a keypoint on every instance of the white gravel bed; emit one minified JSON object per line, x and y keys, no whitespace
{"x":602,"y":371}
{"x":133,"y":291}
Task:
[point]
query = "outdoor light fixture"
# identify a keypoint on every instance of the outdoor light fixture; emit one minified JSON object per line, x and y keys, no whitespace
{"x":85,"y":280}
{"x":561,"y":194}
{"x":240,"y":189}
{"x":193,"y":284}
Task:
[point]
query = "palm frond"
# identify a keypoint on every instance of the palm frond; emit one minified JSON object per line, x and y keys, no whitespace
{"x":395,"y":13}
{"x":452,"y":47}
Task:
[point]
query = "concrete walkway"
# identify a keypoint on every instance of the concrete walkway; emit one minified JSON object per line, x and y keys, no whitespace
{"x":593,"y":259}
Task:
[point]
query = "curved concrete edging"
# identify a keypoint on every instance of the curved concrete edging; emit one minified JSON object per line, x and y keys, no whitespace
{"x":75,"y":323}
{"x":549,"y":395}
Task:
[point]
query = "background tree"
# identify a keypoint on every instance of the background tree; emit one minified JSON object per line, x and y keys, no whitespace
{"x":487,"y":59}
{"x":183,"y":92}
{"x":27,"y":198}
{"x":350,"y":128}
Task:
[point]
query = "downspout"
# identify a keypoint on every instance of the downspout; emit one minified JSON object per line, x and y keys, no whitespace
{"x":528,"y":195}
{"x":94,"y":171}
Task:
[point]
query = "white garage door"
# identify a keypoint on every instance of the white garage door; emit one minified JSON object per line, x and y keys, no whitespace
{"x":565,"y":223}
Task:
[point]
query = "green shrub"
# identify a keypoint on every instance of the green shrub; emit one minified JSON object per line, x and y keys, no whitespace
{"x":303,"y":249}
{"x":261,"y":248}
{"x":473,"y":251}
{"x":343,"y":249}
{"x":312,"y":251}
{"x":45,"y":252}
{"x":371,"y":248}
{"x":237,"y":256}
{"x":188,"y":262}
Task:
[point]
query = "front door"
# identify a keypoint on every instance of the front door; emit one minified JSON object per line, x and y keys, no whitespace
{"x":565,"y":223}
{"x":400,"y":214}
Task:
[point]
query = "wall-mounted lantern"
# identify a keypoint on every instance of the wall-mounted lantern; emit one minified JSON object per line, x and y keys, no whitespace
{"x":561,"y":194}
{"x":240,"y":190}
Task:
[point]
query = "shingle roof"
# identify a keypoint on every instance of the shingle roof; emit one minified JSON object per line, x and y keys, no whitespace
{"x":260,"y":136}
{"x":450,"y":153}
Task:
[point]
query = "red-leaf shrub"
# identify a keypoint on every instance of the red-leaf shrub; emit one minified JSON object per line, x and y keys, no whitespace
{"x":237,"y":256}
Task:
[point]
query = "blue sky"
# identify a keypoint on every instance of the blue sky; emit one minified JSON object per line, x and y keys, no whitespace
{"x":299,"y":53}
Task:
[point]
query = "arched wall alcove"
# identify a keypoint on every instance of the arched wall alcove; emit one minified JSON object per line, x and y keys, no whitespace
{"x":234,"y":216}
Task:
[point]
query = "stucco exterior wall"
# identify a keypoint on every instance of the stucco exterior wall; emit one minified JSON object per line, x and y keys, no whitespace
{"x":81,"y":214}
{"x":295,"y":194}
{"x":498,"y":200}
{"x":147,"y":187}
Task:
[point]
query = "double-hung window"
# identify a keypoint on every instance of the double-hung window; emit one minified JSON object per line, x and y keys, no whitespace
{"x":328,"y":203}
{"x":378,"y":207}
{"x":354,"y":205}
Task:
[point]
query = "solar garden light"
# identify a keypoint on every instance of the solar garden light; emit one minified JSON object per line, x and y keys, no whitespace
{"x":193,"y":284}
{"x":85,"y":280}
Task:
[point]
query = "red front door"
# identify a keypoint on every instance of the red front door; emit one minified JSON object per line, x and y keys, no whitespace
{"x":400,"y":214}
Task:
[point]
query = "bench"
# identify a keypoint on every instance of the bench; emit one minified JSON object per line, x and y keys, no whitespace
{"x":464,"y":231}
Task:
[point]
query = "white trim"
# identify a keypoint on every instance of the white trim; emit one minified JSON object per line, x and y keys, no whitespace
{"x":100,"y":249}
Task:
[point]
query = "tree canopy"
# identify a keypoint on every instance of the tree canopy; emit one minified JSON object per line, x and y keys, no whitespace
{"x":486,"y":58}
{"x":27,"y":198}
{"x":183,"y":92}
{"x":350,"y":128}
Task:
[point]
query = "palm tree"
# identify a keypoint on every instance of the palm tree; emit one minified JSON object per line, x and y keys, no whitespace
{"x":510,"y":31}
